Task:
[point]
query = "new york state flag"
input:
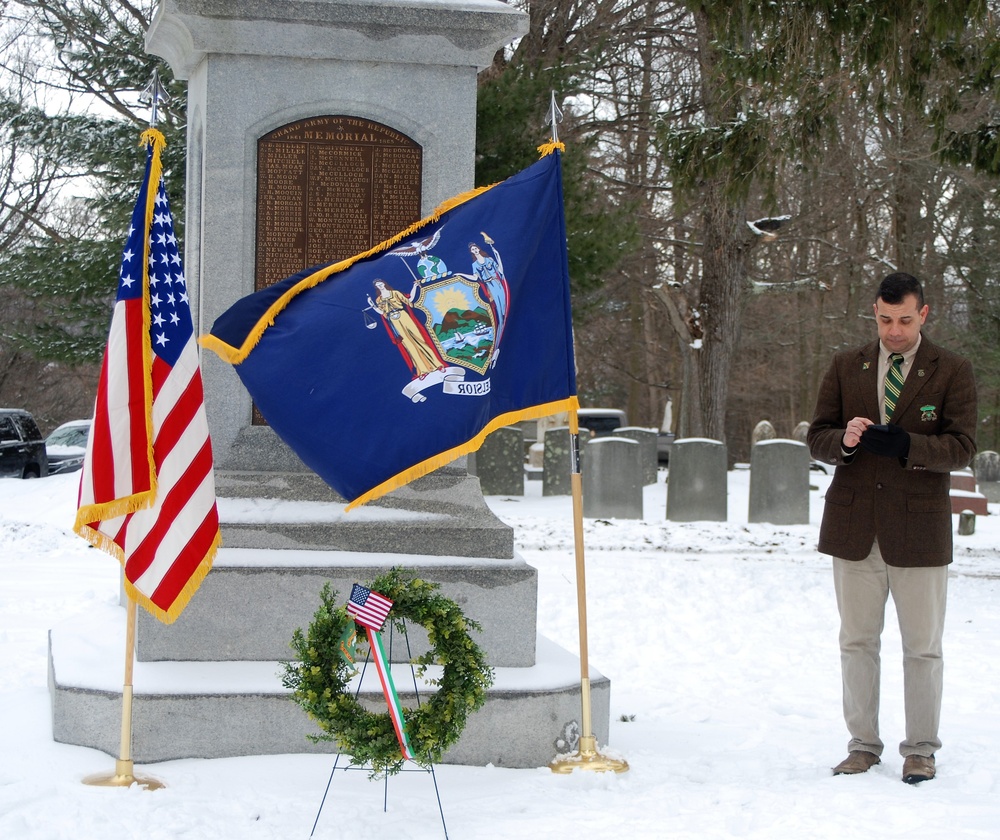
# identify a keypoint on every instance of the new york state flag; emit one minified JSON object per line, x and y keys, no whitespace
{"x":380,"y":368}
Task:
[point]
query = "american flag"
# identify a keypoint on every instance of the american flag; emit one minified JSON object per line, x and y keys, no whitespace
{"x":368,"y":607}
{"x":147,"y":490}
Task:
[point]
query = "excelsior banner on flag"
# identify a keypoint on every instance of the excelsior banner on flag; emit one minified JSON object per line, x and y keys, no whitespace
{"x":368,"y":607}
{"x":147,"y":491}
{"x":383,"y":367}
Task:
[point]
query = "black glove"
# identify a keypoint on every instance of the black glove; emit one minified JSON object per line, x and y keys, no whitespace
{"x":891,"y":440}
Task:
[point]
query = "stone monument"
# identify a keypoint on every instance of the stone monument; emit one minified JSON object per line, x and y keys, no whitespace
{"x":315,"y":130}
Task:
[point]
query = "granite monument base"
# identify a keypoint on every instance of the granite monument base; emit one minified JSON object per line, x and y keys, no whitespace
{"x":225,"y":709}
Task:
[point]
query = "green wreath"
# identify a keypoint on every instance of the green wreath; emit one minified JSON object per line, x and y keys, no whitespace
{"x":319,"y":679}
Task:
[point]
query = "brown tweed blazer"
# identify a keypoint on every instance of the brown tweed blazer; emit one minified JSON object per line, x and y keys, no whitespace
{"x":906,"y":506}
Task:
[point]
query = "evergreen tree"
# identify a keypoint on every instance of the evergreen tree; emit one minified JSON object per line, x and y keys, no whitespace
{"x":86,"y":70}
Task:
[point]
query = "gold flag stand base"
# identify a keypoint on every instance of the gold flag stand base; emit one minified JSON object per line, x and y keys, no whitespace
{"x":123,"y":777}
{"x":588,"y":758}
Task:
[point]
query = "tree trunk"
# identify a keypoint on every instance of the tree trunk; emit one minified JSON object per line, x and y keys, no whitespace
{"x":726,"y":248}
{"x":725,"y":260}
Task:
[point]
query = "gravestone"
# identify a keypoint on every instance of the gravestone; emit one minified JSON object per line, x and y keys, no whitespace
{"x":315,"y":129}
{"x":800,"y":432}
{"x":698,"y":485}
{"x":779,"y":482}
{"x":646,"y":438}
{"x":557,"y":463}
{"x":499,"y":462}
{"x":986,"y":466}
{"x":966,"y":523}
{"x":612,"y":478}
{"x":764,"y":430}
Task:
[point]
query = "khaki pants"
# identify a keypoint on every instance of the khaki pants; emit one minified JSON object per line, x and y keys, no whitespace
{"x":919,"y":595}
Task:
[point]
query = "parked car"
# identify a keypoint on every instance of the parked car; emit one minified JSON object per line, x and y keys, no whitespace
{"x":601,"y":421}
{"x":22,"y":448}
{"x":67,"y":445}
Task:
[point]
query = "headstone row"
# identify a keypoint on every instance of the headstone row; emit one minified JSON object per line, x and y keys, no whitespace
{"x":697,"y":484}
{"x":615,"y":469}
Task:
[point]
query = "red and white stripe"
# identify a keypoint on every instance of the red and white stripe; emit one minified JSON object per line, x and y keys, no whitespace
{"x":167,"y":525}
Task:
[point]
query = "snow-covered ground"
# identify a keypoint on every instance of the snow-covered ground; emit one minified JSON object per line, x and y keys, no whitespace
{"x":720,"y":643}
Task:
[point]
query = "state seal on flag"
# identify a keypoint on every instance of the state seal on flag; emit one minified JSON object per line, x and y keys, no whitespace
{"x":462,"y":324}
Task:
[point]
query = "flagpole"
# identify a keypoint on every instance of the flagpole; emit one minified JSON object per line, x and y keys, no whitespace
{"x":124,"y":775}
{"x":587,"y":757}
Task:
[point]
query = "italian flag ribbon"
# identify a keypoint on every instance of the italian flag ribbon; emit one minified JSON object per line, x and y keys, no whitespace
{"x":389,"y":690}
{"x":369,"y":609}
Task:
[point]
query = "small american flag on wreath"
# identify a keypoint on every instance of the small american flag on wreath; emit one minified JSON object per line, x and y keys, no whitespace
{"x":368,"y":608}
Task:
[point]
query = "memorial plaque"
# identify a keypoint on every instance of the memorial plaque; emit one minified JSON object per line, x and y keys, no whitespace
{"x":330,"y":187}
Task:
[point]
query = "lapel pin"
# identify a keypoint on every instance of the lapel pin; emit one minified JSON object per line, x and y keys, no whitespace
{"x":920,"y":372}
{"x":867,"y":365}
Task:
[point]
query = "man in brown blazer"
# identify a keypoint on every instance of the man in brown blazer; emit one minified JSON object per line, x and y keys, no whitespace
{"x":896,"y":416}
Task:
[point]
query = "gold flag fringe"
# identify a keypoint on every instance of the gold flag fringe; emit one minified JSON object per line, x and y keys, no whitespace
{"x":108,"y":545}
{"x":185,"y":595}
{"x":446,"y":457}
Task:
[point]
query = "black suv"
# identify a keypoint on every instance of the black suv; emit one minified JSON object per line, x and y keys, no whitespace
{"x":22,"y":447}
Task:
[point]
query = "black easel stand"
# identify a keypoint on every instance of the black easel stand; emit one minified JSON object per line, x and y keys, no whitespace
{"x":417,"y":769}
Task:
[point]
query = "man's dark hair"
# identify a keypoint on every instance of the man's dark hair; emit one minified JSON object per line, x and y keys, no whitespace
{"x":895,"y":287}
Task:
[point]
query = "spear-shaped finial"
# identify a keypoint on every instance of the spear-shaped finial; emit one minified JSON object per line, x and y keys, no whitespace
{"x":153,"y":94}
{"x":555,"y":117}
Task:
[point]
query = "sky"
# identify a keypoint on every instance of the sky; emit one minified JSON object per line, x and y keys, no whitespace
{"x":720,"y":641}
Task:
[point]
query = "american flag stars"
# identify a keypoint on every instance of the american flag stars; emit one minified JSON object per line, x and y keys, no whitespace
{"x":170,"y":320}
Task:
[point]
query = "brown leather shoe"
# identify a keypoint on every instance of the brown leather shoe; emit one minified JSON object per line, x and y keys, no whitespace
{"x":918,"y":768}
{"x":859,"y":761}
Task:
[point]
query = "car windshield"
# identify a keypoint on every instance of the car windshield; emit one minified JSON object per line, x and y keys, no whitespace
{"x":71,"y":436}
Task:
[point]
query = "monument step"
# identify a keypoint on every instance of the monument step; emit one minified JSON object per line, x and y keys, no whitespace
{"x":224,"y":709}
{"x":253,"y":600}
{"x":439,"y":514}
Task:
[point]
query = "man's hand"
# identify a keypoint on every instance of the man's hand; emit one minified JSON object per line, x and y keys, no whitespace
{"x":891,"y":440}
{"x":854,"y":430}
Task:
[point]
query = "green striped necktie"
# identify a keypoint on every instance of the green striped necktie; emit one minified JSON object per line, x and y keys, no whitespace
{"x":893,"y":384}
